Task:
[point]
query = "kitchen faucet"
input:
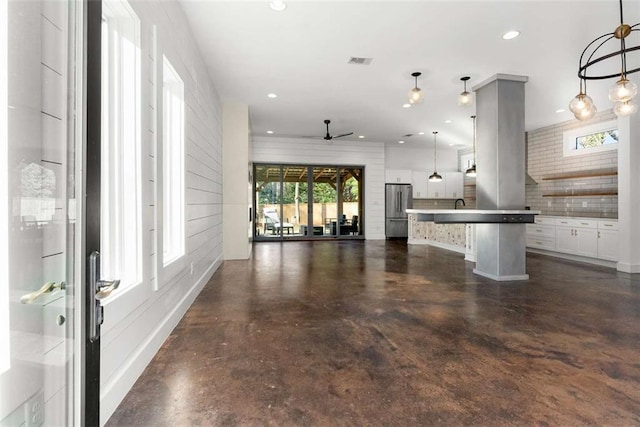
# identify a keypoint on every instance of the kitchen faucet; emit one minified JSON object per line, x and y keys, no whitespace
{"x":455,"y":204}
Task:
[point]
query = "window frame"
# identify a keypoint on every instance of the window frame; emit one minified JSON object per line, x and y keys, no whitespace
{"x":173,"y":171}
{"x":121,"y":23}
{"x":570,"y":137}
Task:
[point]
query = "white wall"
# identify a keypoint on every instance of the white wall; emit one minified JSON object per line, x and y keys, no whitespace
{"x":318,"y":152}
{"x":420,"y":159}
{"x":138,"y":321}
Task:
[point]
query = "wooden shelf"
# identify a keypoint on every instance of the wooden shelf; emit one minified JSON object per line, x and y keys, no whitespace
{"x":581,"y":174}
{"x":469,"y":185}
{"x":582,"y":194}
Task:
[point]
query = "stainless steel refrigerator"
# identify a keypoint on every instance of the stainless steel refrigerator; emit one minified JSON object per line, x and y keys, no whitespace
{"x":399,"y":197}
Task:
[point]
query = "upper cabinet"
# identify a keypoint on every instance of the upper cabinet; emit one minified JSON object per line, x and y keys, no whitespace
{"x":453,"y":185}
{"x":398,"y":176}
{"x":420,"y":181}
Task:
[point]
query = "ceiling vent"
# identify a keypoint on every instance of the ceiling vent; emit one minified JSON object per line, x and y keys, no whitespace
{"x":409,"y":135}
{"x":360,"y":61}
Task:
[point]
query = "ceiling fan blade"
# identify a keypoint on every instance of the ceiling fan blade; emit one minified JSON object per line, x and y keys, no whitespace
{"x":344,"y":134}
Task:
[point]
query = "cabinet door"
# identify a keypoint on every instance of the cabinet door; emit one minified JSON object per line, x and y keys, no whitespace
{"x":420,"y":180}
{"x":453,"y":185}
{"x":436,"y":190}
{"x":565,"y":240}
{"x":587,"y":241}
{"x":398,"y":176}
{"x":608,"y":245}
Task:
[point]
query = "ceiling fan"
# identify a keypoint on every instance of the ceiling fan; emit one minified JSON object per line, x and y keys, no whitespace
{"x":328,"y":136}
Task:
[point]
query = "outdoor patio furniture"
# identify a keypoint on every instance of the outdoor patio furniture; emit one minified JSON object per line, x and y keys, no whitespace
{"x":272,"y":222}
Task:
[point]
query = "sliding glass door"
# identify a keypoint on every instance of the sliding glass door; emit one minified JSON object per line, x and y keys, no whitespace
{"x":308,"y":202}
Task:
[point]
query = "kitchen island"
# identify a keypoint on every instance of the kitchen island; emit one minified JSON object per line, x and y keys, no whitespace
{"x":454,"y":229}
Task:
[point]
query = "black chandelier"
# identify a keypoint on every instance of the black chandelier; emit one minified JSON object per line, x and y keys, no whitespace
{"x":623,"y":92}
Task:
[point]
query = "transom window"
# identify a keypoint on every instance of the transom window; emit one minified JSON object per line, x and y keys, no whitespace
{"x":591,"y":139}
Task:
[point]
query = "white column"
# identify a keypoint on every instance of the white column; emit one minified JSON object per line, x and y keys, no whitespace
{"x":629,"y":194}
{"x":236,"y":194}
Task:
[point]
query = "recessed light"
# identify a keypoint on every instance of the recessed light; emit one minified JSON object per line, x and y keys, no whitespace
{"x":270,"y":132}
{"x":447,"y":121}
{"x":360,"y":136}
{"x":560,"y":110}
{"x":277,"y":5}
{"x":400,"y":142}
{"x":406,"y":105}
{"x":272,"y":95}
{"x":510,"y":35}
{"x":420,"y":133}
{"x":452,"y":144}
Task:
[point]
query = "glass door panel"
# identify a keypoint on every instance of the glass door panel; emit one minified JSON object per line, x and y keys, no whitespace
{"x":351,"y":187}
{"x":268,"y":194}
{"x":37,"y":212}
{"x":325,"y":199}
{"x":294,"y":201}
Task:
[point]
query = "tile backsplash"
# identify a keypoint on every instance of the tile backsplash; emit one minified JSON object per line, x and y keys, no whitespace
{"x":545,"y":159}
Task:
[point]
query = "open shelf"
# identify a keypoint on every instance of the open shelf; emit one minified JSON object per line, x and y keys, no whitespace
{"x":469,"y":185}
{"x":582,"y":194}
{"x":581,"y":174}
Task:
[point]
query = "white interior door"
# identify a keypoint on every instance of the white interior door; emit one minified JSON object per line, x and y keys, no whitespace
{"x":37,"y":212}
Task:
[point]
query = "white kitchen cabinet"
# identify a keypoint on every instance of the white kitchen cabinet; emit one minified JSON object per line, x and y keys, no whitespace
{"x":398,"y":176}
{"x":453,"y":182}
{"x":608,"y":240}
{"x":542,"y":234}
{"x":420,"y":184}
{"x":436,"y":190}
{"x":577,"y":237}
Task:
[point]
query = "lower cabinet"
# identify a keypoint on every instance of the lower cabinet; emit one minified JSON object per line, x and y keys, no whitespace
{"x":586,"y":237}
{"x":608,"y":241}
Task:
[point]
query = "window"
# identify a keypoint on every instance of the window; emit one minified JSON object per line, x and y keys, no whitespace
{"x":4,"y":196}
{"x":121,"y":211}
{"x":173,"y":229}
{"x":591,"y":139}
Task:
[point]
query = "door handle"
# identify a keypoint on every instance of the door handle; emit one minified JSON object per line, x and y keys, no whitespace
{"x":45,"y":289}
{"x":99,"y":289}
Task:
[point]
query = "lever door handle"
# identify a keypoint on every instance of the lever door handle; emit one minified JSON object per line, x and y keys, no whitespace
{"x":105,"y":287}
{"x":45,"y":289}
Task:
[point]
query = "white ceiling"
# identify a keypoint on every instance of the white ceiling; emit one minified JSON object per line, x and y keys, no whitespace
{"x":301,"y":54}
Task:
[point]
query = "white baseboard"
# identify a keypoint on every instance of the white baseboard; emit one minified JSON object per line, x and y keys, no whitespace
{"x":117,"y":388}
{"x":628,"y":268}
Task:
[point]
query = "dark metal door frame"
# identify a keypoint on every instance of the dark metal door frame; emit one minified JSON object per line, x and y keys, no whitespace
{"x":93,"y":74}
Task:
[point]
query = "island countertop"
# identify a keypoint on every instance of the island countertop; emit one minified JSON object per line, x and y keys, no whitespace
{"x":475,"y":216}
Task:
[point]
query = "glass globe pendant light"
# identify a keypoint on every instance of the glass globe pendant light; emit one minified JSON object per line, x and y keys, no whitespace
{"x":582,"y":105}
{"x":624,"y":90}
{"x":435,"y":176}
{"x":471,"y":172}
{"x":626,"y":108}
{"x":416,"y":95}
{"x":466,"y":97}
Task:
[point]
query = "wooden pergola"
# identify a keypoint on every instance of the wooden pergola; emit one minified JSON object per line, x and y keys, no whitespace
{"x":298,"y":173}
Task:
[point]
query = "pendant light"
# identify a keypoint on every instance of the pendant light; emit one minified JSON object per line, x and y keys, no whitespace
{"x":471,"y":172}
{"x":435,"y":176}
{"x":624,"y":90}
{"x":466,"y":98}
{"x":416,"y":95}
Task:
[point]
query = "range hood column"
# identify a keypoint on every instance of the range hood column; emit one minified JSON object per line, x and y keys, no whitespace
{"x":500,"y":183}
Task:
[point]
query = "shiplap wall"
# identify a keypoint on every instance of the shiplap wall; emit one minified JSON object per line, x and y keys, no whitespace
{"x":369,"y":154}
{"x":133,"y":335}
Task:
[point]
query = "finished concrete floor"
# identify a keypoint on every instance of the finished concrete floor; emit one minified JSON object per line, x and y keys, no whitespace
{"x":381,"y":333}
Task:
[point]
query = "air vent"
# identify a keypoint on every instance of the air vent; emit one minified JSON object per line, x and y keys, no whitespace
{"x":360,"y":61}
{"x":409,"y":135}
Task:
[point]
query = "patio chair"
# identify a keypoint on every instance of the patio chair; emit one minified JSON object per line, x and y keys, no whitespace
{"x":272,"y":222}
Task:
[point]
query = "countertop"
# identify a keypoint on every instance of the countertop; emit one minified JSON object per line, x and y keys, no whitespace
{"x":473,"y":211}
{"x":475,"y":216}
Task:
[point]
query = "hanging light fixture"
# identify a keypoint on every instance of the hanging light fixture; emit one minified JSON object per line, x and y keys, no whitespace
{"x":471,"y":172}
{"x":416,"y":95}
{"x":465,"y":98}
{"x":435,"y":176}
{"x":623,"y":92}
